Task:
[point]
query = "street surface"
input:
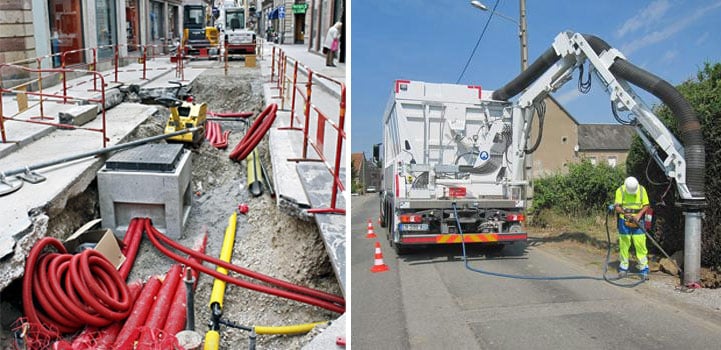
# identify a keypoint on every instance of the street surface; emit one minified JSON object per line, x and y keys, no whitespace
{"x":429,"y":300}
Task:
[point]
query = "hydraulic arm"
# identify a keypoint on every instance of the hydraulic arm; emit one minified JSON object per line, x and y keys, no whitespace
{"x":683,"y":162}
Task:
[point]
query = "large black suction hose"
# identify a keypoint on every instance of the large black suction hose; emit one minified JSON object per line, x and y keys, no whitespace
{"x":528,"y":76}
{"x":688,"y":124}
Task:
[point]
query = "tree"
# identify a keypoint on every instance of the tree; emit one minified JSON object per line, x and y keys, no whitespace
{"x":355,"y":184}
{"x":704,"y":95}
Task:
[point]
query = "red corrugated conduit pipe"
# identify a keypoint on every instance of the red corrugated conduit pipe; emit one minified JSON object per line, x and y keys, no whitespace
{"x":65,"y":292}
{"x":255,"y":133}
{"x":290,"y":291}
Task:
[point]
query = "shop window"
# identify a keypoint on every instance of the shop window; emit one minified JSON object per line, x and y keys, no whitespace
{"x":106,"y":24}
{"x":66,"y":30}
{"x":156,"y":21}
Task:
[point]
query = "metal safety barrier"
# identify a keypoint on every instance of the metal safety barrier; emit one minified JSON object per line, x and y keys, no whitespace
{"x":88,"y":66}
{"x":42,"y":96}
{"x":288,"y":84}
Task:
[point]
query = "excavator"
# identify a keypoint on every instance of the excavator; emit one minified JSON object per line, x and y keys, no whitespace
{"x":198,"y":39}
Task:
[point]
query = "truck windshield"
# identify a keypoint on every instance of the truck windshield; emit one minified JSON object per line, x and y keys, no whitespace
{"x":194,"y":15}
{"x":234,"y":20}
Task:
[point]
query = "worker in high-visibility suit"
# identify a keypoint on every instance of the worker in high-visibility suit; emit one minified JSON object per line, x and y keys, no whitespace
{"x":631,"y":204}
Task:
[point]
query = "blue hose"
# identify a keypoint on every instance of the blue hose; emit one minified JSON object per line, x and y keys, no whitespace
{"x":611,"y":280}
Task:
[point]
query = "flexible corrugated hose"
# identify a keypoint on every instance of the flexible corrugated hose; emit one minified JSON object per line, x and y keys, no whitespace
{"x":65,"y":292}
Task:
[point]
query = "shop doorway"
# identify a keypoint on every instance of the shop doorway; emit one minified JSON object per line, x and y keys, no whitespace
{"x":299,"y":28}
{"x":66,"y":30}
{"x":133,"y":24}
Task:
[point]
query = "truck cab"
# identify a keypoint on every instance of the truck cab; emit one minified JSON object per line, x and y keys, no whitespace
{"x":239,"y":39}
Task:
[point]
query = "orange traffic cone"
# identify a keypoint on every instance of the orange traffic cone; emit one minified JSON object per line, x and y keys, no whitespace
{"x":378,"y":264}
{"x":371,"y":233}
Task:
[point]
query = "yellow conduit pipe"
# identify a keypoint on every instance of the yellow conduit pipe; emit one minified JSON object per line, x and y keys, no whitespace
{"x":291,"y":329}
{"x":212,"y":337}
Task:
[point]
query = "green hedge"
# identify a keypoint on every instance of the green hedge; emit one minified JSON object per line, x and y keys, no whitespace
{"x":584,"y":189}
{"x":704,"y":94}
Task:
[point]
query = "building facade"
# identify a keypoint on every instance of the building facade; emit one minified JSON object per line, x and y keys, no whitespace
{"x":605,"y":143}
{"x":566,"y":141}
{"x":323,"y":14}
{"x":367,"y":174}
{"x":33,"y":28}
{"x":302,"y":22}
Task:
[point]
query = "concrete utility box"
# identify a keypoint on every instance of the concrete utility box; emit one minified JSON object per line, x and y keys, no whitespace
{"x":147,"y":181}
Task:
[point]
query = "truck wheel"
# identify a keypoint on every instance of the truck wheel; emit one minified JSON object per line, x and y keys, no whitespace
{"x":384,"y":223}
{"x":399,"y":248}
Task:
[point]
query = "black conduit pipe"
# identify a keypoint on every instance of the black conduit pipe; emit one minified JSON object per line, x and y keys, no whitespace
{"x":688,"y":124}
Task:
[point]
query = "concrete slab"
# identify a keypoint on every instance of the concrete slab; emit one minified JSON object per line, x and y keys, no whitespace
{"x":78,"y":115}
{"x":63,"y":181}
{"x":291,"y":197}
{"x":20,"y":134}
{"x":327,"y":339}
{"x":317,"y":182}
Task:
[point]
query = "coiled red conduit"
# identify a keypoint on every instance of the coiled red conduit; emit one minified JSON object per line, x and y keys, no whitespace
{"x":255,"y":133}
{"x":294,"y":292}
{"x":65,"y":292}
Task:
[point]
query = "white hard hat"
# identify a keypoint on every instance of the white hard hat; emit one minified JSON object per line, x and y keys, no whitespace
{"x":631,"y":185}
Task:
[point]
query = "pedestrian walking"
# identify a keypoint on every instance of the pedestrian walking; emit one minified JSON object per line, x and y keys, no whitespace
{"x":332,"y":43}
{"x":631,"y":204}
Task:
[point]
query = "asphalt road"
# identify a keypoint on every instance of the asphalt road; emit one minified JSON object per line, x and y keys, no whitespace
{"x":428,"y":300}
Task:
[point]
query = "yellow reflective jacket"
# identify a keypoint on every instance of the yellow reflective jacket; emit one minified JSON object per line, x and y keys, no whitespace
{"x":631,"y":202}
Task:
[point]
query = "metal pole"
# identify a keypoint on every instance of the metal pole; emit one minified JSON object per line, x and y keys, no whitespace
{"x":309,"y":90}
{"x":523,"y":34}
{"x":189,"y":300}
{"x":2,"y":117}
{"x":692,"y":248}
{"x":97,"y":152}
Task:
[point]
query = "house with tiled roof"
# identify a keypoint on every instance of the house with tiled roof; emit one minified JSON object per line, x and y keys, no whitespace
{"x":565,"y":141}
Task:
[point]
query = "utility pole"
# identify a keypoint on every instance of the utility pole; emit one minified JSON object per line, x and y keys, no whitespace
{"x":523,"y":33}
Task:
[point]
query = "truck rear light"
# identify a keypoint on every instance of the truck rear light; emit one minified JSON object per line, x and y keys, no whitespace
{"x":457,"y":191}
{"x":411,"y":218}
{"x":515,"y":217}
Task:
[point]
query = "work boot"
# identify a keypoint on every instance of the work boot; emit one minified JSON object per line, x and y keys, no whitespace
{"x":644,"y":273}
{"x":622,"y":272}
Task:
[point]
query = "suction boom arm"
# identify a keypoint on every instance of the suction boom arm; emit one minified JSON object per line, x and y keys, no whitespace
{"x":685,"y":164}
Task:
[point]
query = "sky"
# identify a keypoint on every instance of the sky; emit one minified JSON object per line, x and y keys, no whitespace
{"x":431,"y":40}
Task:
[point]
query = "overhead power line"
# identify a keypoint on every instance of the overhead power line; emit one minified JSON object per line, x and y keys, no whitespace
{"x":473,"y":53}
